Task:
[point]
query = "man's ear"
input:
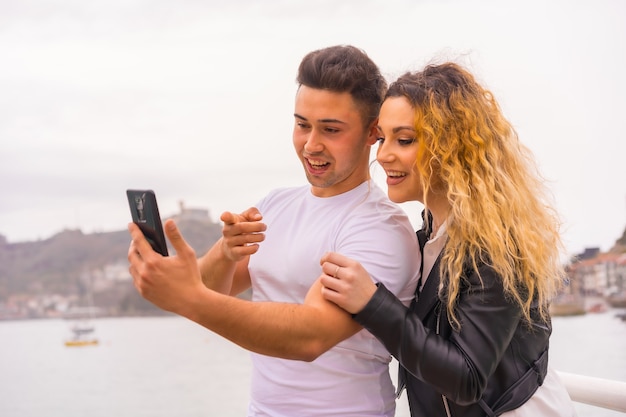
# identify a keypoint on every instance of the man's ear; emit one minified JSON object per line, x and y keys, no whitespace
{"x":372,"y":132}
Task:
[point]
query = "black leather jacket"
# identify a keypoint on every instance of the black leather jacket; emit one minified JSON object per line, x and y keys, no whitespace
{"x":492,"y":365}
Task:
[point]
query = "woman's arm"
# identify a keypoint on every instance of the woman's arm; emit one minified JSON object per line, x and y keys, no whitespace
{"x":456,"y":363}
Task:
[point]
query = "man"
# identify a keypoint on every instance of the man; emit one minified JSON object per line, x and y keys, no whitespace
{"x":339,"y":369}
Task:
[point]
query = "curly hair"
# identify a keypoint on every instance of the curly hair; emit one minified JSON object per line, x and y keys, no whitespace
{"x":499,"y":216}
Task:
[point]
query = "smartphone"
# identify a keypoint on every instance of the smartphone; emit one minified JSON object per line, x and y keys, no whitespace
{"x":145,"y":214}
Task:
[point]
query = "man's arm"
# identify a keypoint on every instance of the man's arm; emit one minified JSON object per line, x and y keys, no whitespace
{"x":291,"y":331}
{"x":221,"y":274}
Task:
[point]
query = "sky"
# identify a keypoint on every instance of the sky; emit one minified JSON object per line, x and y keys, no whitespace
{"x":194,"y":99}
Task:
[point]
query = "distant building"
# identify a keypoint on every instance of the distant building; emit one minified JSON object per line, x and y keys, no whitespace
{"x":602,"y":275}
{"x":197,"y":214}
{"x":588,"y":253}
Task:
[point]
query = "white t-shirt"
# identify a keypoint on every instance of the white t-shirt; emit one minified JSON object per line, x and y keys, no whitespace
{"x":352,"y":378}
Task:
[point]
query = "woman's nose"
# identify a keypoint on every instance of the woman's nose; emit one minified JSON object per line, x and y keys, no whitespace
{"x":382,"y":154}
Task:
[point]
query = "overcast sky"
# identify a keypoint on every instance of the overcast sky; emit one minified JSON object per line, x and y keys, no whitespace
{"x":194,"y":99}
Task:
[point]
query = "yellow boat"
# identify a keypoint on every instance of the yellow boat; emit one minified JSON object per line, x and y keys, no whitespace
{"x":82,"y":335}
{"x":81,"y":342}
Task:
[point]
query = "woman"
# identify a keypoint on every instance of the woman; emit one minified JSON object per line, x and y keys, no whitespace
{"x":475,"y":340}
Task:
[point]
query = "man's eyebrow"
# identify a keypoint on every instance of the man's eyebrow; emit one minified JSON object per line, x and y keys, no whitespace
{"x":297,"y":116}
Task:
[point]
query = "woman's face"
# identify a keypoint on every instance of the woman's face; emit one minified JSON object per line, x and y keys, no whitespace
{"x":397,"y":150}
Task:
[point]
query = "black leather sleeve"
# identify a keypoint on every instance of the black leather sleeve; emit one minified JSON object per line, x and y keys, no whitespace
{"x":455,"y":363}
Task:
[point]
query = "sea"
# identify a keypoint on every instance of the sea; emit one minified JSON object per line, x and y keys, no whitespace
{"x":171,"y":367}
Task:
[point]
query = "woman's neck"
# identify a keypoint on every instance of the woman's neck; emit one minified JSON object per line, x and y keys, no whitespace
{"x":439,"y":213}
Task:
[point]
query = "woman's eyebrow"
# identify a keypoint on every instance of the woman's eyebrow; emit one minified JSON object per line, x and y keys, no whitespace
{"x":400,"y":128}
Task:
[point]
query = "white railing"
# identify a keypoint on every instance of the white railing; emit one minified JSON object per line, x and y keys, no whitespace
{"x":599,"y":392}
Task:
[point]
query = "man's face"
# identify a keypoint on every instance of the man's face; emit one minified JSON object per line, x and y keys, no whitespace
{"x":330,"y":140}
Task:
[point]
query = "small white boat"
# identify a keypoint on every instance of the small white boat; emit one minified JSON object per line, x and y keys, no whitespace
{"x":82,"y":335}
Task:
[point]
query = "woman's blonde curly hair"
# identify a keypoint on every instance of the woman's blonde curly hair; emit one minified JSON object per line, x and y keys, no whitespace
{"x":499,"y":214}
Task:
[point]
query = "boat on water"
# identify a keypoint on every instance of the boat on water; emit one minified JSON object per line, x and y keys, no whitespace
{"x":81,"y":342}
{"x":83,"y":334}
{"x":617,"y":300}
{"x":83,"y":329}
{"x":597,"y":308}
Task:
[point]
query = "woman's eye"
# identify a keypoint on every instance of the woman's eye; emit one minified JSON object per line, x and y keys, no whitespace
{"x":406,"y":142}
{"x":380,"y":140}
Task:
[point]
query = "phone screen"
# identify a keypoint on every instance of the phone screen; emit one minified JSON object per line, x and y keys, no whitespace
{"x":145,"y":214}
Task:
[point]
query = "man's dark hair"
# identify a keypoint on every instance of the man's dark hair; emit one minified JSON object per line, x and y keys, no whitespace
{"x":345,"y":69}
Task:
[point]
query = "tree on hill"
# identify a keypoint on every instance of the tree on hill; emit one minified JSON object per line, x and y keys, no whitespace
{"x":620,"y":244}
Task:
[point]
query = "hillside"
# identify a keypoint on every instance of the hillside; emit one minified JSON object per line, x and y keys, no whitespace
{"x":41,"y":278}
{"x":58,"y":265}
{"x":620,"y":244}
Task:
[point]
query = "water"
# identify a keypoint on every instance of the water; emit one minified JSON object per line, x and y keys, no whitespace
{"x":169,"y":366}
{"x":142,"y":367}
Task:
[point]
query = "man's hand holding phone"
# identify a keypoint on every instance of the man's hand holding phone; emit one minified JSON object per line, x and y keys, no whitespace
{"x":169,"y":282}
{"x":166,"y":281}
